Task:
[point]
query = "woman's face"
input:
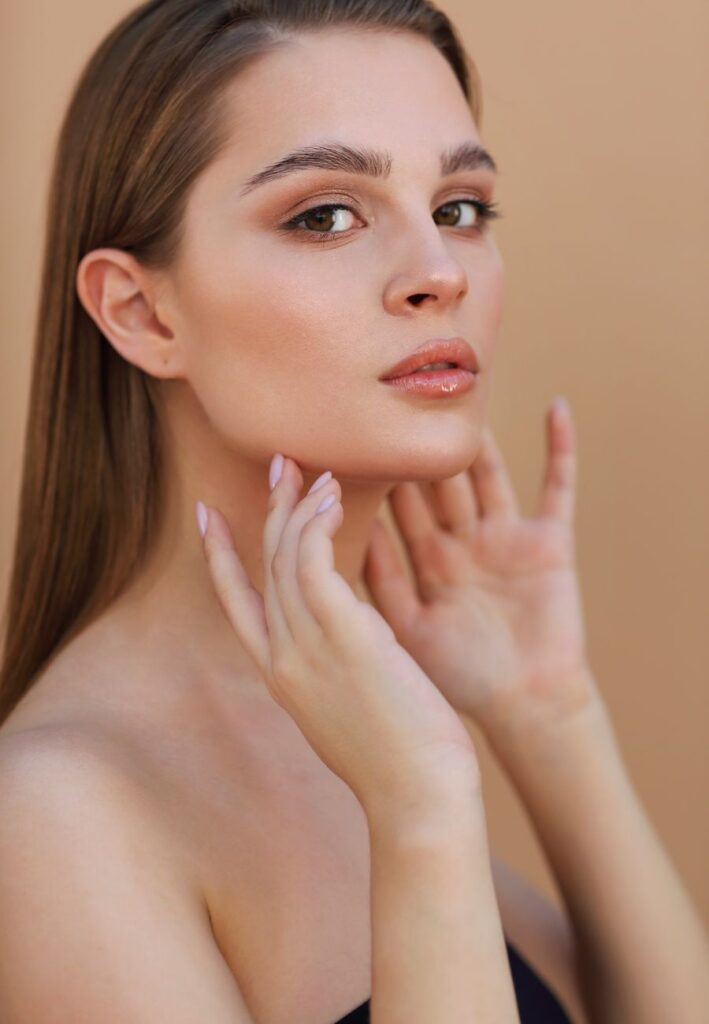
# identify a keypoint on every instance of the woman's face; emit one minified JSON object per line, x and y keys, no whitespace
{"x":284,"y":333}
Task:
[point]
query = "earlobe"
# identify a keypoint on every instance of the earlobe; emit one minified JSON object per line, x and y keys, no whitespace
{"x":117,"y":293}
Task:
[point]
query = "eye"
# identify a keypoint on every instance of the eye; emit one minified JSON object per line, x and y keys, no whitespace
{"x":476,"y":213}
{"x":322,"y":217}
{"x":477,"y":216}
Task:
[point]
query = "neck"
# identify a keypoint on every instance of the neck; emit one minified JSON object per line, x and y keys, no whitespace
{"x":174,"y":597}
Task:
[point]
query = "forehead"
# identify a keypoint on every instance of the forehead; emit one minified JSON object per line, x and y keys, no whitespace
{"x":392,"y":90}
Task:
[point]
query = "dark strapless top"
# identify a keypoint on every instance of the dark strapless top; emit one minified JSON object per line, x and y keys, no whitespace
{"x":536,"y":1003}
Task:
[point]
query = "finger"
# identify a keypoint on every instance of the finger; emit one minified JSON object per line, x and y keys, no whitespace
{"x":240,"y":601}
{"x":558,"y":493}
{"x":302,"y":623}
{"x":281,"y":502}
{"x":415,"y":522}
{"x":493,"y":487}
{"x":388,"y":583}
{"x":456,"y":504}
{"x":327,"y":594}
{"x":413,"y":513}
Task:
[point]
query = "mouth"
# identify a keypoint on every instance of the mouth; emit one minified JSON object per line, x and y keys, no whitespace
{"x":436,"y":358}
{"x":444,"y":383}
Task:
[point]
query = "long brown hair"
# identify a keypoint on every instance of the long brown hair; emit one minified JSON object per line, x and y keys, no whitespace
{"x":142,"y":123}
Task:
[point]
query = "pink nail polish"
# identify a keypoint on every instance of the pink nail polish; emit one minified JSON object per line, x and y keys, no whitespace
{"x":202,"y":518}
{"x":322,"y":479}
{"x":274,"y":473}
{"x":326,"y":503}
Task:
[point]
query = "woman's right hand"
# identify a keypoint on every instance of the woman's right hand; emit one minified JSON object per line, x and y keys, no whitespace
{"x":332,"y":661}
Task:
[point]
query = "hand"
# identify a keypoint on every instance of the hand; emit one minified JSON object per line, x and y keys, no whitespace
{"x":495,"y":617}
{"x":332,"y":662}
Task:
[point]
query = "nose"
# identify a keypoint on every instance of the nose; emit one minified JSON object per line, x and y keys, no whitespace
{"x":437,"y":280}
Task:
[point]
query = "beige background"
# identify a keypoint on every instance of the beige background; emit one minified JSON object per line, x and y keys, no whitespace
{"x":594,"y":113}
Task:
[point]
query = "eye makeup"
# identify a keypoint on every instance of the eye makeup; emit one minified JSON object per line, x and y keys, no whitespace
{"x":486,"y":212}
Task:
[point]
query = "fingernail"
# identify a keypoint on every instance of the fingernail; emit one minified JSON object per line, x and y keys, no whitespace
{"x":323,"y":479}
{"x":274,"y":473}
{"x":560,"y":402}
{"x":326,"y":503}
{"x":202,"y":518}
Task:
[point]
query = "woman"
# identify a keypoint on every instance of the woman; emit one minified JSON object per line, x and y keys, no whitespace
{"x":251,"y":751}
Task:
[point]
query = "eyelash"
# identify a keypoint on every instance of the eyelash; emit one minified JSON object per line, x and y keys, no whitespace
{"x":486,"y":211}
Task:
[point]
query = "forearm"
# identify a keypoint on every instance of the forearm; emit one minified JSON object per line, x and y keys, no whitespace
{"x":438,"y":949}
{"x":641,"y":946}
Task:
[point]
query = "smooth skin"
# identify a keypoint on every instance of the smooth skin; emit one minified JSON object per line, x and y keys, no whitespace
{"x":495,"y":613}
{"x":370,"y":713}
{"x":269,"y":341}
{"x":494,"y":617}
{"x":262,"y":340}
{"x":362,"y":702}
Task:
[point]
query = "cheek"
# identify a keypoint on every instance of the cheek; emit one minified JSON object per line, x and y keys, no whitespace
{"x":294,"y":321}
{"x":266,"y":341}
{"x":491,"y":285}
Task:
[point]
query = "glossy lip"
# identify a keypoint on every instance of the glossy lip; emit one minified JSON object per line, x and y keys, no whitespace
{"x":436,"y":350}
{"x":434,"y":383}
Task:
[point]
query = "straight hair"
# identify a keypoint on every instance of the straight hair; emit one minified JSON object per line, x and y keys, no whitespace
{"x":143,"y":121}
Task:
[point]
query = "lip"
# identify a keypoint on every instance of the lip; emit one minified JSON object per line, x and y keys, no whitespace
{"x":434,"y":383}
{"x":436,"y":350}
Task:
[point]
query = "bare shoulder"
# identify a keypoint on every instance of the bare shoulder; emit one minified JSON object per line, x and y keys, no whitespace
{"x":75,"y":777}
{"x":87,"y":878}
{"x":542,"y":933}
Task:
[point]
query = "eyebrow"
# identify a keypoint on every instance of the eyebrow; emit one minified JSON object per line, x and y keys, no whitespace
{"x":375,"y":163}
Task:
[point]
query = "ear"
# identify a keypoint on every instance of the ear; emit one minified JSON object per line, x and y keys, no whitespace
{"x":122,"y":297}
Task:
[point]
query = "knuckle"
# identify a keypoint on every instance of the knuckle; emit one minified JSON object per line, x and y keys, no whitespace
{"x":308,"y":575}
{"x":283,"y":668}
{"x":278,"y":565}
{"x":310,"y":551}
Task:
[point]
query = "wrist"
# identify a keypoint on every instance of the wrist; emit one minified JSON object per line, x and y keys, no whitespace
{"x":429,"y":813}
{"x":544,"y":750}
{"x":541,"y":712}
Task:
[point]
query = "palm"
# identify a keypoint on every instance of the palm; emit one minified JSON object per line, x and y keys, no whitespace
{"x":496,"y":609}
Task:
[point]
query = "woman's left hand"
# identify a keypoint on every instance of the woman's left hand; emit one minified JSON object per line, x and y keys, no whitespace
{"x":495,"y":616}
